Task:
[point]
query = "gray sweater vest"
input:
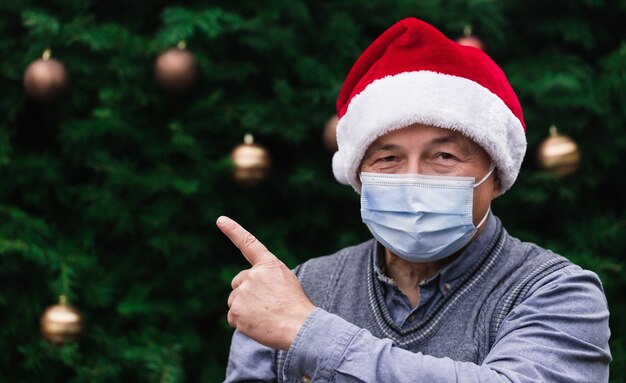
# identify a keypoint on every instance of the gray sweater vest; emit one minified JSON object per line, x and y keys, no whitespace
{"x":462,"y":326}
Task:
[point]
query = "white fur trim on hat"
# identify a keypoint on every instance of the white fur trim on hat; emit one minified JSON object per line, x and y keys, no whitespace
{"x":429,"y":98}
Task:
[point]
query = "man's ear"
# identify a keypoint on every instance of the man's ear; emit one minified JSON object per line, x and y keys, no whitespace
{"x":497,"y":187}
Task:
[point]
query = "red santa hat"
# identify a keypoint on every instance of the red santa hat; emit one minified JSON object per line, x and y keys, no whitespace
{"x":413,"y":74}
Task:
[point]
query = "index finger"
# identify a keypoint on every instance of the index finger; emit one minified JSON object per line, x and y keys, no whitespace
{"x":250,"y":247}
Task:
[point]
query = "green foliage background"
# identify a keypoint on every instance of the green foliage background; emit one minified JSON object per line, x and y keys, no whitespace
{"x":111,"y":195}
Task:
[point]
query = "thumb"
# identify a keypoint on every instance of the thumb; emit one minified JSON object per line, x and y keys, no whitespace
{"x":250,"y":247}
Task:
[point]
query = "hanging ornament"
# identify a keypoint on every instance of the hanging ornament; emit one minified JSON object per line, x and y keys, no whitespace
{"x":45,"y":79}
{"x":330,"y":134}
{"x":558,"y":154}
{"x":176,"y":69}
{"x":62,"y":323}
{"x":470,"y":40}
{"x":251,"y":162}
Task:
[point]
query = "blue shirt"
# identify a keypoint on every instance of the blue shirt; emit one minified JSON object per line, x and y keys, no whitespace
{"x":328,"y":342}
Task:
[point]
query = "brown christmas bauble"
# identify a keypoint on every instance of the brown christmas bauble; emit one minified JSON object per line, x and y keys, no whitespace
{"x":62,"y":323}
{"x":176,"y":69}
{"x":330,"y":134}
{"x":470,"y":40}
{"x":558,"y":154}
{"x":251,"y":162}
{"x":45,"y":79}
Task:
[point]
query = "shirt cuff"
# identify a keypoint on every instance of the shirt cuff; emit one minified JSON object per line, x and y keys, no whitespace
{"x":318,"y":347}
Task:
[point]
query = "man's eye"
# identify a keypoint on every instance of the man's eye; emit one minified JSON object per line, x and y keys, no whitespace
{"x":445,"y":156}
{"x":388,"y":159}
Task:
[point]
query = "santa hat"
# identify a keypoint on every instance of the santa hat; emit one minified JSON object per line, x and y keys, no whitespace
{"x":413,"y":74}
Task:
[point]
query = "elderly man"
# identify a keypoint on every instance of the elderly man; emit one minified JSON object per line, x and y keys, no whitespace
{"x":430,"y":132}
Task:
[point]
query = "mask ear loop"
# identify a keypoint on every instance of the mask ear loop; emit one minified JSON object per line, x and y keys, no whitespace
{"x":491,"y":169}
{"x":484,"y":218}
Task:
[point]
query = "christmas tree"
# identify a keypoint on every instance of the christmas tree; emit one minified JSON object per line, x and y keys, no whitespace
{"x":111,"y":189}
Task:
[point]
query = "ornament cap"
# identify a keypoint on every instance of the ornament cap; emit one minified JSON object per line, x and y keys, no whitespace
{"x":248,"y":139}
{"x":467,"y":30}
{"x":63,"y":299}
{"x":46,"y":54}
{"x":553,"y":131}
{"x":182,"y":45}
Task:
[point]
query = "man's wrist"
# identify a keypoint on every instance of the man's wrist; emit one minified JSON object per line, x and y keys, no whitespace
{"x":319,"y":345}
{"x":294,"y":325}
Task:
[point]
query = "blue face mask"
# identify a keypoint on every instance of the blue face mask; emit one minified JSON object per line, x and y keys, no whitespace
{"x":420,"y":218}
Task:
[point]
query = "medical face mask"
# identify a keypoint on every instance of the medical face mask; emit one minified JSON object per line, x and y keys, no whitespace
{"x":420,"y":218}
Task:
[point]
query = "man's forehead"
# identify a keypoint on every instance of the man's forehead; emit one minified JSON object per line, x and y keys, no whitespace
{"x":424,"y":134}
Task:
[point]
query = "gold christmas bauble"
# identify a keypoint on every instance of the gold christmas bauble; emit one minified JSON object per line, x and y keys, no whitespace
{"x":251,"y":162}
{"x":470,"y":40}
{"x":330,"y":134}
{"x":62,"y":323}
{"x":176,"y":69}
{"x":558,"y":154}
{"x":45,"y":79}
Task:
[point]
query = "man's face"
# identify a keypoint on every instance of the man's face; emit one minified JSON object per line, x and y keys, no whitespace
{"x":423,"y":149}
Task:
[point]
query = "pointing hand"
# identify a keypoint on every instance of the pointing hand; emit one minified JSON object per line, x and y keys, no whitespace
{"x":267,"y":302}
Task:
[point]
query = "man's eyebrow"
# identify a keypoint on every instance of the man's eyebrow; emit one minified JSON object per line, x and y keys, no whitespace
{"x":448,"y":138}
{"x":464,"y":143}
{"x":375,"y":148}
{"x":386,"y":147}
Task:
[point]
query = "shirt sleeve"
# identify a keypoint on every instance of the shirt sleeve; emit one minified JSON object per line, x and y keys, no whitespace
{"x":249,"y":361}
{"x":558,"y":333}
